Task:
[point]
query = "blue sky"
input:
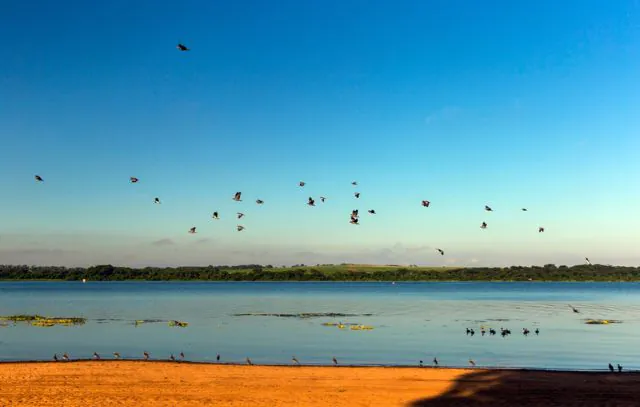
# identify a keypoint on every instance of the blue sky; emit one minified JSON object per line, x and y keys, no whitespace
{"x":463,"y":103}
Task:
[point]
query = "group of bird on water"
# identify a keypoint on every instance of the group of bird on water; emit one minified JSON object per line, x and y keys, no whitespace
{"x":503,"y":331}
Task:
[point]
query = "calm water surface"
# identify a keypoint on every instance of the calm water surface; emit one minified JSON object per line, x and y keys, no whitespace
{"x":412,"y":321}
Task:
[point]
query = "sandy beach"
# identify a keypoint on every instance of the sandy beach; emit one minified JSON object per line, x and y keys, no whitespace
{"x":137,"y":383}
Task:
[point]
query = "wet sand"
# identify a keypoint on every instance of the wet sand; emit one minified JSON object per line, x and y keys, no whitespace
{"x":138,"y":383}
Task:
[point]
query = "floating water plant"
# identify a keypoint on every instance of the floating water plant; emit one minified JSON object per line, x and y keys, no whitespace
{"x":180,"y":324}
{"x":39,"y":320}
{"x":602,"y":321}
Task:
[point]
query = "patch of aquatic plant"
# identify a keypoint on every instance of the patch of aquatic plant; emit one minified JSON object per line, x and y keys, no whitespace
{"x":147,"y":321}
{"x":39,"y":320}
{"x":602,"y":321}
{"x":353,"y":326}
{"x":302,"y":315}
{"x":180,"y":324}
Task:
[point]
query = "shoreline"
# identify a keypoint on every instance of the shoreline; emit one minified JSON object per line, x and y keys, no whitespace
{"x":321,"y":366}
{"x":159,"y":383}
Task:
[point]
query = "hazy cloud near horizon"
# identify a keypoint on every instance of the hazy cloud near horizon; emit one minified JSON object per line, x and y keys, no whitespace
{"x":73,"y":251}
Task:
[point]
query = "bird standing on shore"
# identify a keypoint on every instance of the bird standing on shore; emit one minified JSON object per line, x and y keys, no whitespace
{"x":472,"y":363}
{"x":611,"y":368}
{"x":65,"y":356}
{"x":182,"y":356}
{"x":619,"y":368}
{"x":295,"y":360}
{"x":116,"y":355}
{"x":249,"y":362}
{"x":435,"y":362}
{"x":218,"y":357}
{"x":335,"y":361}
{"x":146,"y":355}
{"x":172,"y":358}
{"x":96,"y":356}
{"x":55,"y":357}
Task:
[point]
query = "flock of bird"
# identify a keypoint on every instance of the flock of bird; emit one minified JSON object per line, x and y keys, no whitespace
{"x":294,"y":360}
{"x":354,"y":217}
{"x":503,"y":332}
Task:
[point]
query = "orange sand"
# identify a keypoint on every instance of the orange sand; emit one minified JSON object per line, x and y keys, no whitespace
{"x":136,"y":383}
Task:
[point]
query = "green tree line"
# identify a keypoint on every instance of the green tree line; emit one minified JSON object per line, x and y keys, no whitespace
{"x":255,"y":272}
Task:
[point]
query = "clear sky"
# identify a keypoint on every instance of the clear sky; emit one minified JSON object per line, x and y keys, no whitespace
{"x":464,"y":103}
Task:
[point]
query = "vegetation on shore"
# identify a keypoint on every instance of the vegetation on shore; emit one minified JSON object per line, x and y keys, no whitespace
{"x":328,"y":272}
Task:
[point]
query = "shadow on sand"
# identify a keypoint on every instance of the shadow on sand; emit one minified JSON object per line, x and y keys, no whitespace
{"x":539,"y":388}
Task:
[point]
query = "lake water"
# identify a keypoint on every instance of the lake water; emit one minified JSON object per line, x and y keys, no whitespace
{"x":411,"y":321}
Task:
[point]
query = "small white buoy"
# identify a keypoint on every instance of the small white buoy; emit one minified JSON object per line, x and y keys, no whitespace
{"x":84,"y":280}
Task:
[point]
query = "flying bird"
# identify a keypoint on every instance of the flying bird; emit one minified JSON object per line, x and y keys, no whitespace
{"x":322,"y":198}
{"x":357,"y":194}
{"x":259,"y":201}
{"x":524,"y":209}
{"x":237,"y":196}
{"x":156,"y":200}
{"x":215,"y":215}
{"x":354,"y":213}
{"x":354,"y":183}
{"x":38,"y":178}
{"x":426,"y":203}
{"x":240,"y":215}
{"x":192,"y":230}
{"x":484,"y":225}
{"x":587,"y":259}
{"x":311,"y":202}
{"x":133,"y":180}
{"x":371,"y":211}
{"x":182,"y":47}
{"x":240,"y":228}
{"x":302,"y":183}
{"x":574,"y":309}
{"x":354,"y":221}
{"x":488,"y":208}
{"x":540,"y":229}
{"x":440,"y":251}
